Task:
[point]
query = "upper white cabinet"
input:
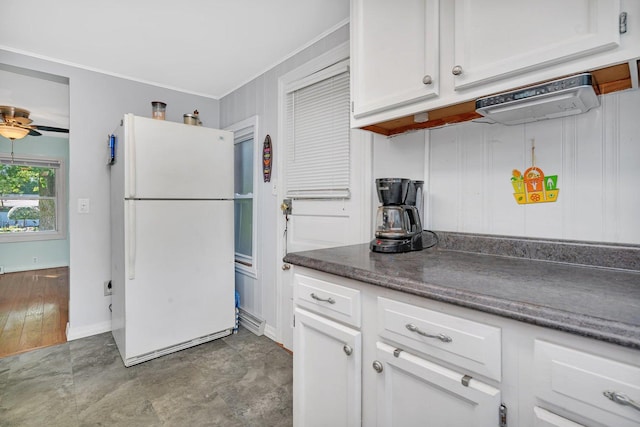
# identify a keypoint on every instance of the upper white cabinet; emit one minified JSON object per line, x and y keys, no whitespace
{"x":414,"y":56}
{"x":395,"y":53}
{"x":495,"y":39}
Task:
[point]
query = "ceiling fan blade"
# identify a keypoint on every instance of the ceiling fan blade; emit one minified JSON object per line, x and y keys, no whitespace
{"x":51,"y":129}
{"x":34,"y":132}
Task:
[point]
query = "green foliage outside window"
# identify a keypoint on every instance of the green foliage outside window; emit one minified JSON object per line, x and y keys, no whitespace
{"x":27,"y":193}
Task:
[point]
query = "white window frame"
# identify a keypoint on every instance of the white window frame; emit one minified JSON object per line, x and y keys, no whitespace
{"x":61,"y":203}
{"x":242,"y":131}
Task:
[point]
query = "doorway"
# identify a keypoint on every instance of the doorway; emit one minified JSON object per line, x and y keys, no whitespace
{"x":34,"y":289}
{"x":34,"y":309}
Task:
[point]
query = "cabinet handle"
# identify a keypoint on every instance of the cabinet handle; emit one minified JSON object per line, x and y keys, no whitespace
{"x":317,"y":298}
{"x":347,"y":350}
{"x":427,"y":79}
{"x":441,"y":337}
{"x":621,"y":399}
{"x":457,"y":70}
{"x":377,"y":366}
{"x":286,"y":267}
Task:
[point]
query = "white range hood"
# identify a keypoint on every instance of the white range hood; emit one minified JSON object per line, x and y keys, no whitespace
{"x":558,"y":98}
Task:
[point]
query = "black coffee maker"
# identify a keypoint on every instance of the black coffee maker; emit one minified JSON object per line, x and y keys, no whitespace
{"x":398,"y":224}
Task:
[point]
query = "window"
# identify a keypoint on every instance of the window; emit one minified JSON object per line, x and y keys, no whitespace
{"x":245,"y":165}
{"x":31,"y":199}
{"x":317,"y":134}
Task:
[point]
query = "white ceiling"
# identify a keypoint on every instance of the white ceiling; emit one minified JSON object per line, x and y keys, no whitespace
{"x":203,"y":47}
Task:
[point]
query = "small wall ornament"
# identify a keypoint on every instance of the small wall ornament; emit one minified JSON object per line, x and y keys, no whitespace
{"x":533,"y":186}
{"x":266,"y":159}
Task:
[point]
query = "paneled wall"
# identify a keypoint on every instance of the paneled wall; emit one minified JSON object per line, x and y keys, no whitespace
{"x":259,"y":98}
{"x":596,"y":156}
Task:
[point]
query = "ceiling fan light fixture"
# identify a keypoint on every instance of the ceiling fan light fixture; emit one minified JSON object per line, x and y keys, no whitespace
{"x":13,"y":132}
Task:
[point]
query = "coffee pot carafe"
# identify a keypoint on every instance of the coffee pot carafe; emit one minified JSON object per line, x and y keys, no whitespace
{"x":398,"y":221}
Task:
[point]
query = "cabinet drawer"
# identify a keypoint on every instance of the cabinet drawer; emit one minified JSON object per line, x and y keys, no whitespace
{"x":577,"y":381}
{"x":329,"y":299}
{"x":544,"y":418}
{"x":465,"y":343}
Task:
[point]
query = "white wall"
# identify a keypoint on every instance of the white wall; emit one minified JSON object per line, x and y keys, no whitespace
{"x":595,"y":155}
{"x":18,"y":256}
{"x":260,"y":98}
{"x":97,"y":103}
{"x":468,"y":166}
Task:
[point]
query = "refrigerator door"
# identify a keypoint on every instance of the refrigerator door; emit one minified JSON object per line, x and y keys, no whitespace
{"x":179,"y":272}
{"x":168,"y":160}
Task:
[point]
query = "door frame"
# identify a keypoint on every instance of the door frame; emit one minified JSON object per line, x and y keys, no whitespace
{"x":362,"y":138}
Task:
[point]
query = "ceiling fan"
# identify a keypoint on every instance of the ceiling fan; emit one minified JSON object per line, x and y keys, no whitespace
{"x":16,"y":124}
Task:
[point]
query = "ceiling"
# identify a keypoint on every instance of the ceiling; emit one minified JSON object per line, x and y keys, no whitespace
{"x":203,"y":47}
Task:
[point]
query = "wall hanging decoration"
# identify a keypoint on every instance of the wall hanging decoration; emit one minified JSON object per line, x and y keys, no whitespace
{"x":533,"y":186}
{"x":267,"y":156}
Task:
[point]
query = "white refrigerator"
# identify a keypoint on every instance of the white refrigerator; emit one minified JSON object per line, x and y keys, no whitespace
{"x":172,"y":240}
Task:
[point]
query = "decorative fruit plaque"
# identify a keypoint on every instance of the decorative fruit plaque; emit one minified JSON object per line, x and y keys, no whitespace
{"x":534,"y":186}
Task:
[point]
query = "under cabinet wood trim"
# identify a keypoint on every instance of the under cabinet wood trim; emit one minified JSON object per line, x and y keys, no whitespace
{"x":607,"y":80}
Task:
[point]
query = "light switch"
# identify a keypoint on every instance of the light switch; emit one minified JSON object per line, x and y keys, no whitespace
{"x":84,"y":206}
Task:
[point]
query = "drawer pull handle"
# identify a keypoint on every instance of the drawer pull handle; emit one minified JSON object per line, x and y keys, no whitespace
{"x":317,"y":298}
{"x":622,"y":399}
{"x":441,"y":337}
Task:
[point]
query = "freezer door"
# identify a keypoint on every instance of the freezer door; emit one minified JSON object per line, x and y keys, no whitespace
{"x":179,"y":272}
{"x":173,"y":160}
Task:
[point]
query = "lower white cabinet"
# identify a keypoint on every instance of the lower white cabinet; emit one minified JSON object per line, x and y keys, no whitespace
{"x":594,"y":387}
{"x":326,"y":372}
{"x":412,"y":391}
{"x":370,"y":356}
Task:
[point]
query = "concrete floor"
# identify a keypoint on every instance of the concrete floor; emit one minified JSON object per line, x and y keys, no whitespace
{"x":240,"y":380}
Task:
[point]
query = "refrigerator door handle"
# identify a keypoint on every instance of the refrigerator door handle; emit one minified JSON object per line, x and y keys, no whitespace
{"x":131,"y":257}
{"x":131,"y":142}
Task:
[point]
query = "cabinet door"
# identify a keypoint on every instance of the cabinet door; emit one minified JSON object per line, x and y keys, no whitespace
{"x":395,"y":50}
{"x":497,"y":39}
{"x":326,"y":372}
{"x":415,"y":392}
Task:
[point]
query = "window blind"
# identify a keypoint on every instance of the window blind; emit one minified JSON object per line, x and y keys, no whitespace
{"x":40,"y":163}
{"x":317,"y":135}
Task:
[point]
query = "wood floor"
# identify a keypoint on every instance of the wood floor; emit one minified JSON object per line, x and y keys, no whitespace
{"x":34,"y":309}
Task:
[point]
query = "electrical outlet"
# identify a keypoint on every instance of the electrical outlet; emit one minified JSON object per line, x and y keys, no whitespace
{"x":35,"y":259}
{"x":107,"y":288}
{"x":1,"y":269}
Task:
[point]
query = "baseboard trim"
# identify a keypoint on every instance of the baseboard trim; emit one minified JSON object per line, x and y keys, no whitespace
{"x":74,"y":333}
{"x":251,"y":322}
{"x":270,"y":332}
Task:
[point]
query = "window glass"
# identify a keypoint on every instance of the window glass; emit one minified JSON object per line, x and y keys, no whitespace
{"x":243,"y":171}
{"x":243,"y":204}
{"x":244,"y":226}
{"x":28,"y":197}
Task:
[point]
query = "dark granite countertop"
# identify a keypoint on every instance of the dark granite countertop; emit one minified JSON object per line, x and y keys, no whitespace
{"x":600,"y":303}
